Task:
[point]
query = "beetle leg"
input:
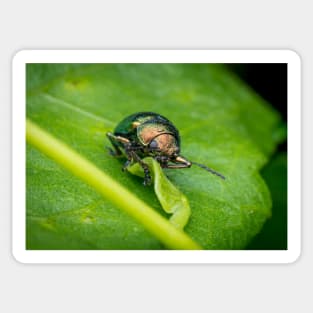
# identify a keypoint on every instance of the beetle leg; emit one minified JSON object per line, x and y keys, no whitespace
{"x":176,"y":166}
{"x":126,"y":164}
{"x":145,"y":167}
{"x":116,"y":152}
{"x":131,"y":155}
{"x":118,"y":138}
{"x":181,"y":163}
{"x":113,"y":139}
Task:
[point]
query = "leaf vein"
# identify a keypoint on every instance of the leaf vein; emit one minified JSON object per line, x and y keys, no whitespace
{"x":75,"y":108}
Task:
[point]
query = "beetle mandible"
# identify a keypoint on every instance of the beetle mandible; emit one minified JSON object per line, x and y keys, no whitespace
{"x":146,"y":134}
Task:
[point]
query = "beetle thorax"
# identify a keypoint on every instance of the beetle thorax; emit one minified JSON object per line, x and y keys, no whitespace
{"x":167,"y":144}
{"x":158,"y":138}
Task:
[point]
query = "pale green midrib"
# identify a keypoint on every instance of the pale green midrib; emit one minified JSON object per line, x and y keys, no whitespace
{"x":109,"y":188}
{"x":71,"y":106}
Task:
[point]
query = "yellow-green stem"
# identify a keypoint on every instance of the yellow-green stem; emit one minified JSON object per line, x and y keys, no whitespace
{"x":156,"y":224}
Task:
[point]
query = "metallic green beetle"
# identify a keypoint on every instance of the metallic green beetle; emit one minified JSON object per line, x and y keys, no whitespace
{"x":146,"y":134}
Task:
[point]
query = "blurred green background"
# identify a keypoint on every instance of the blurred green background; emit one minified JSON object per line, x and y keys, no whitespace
{"x":270,"y":82}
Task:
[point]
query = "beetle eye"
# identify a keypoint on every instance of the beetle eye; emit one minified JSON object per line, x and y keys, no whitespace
{"x":153,"y":144}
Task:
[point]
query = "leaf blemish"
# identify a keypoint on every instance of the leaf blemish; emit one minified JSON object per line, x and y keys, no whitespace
{"x":76,"y":83}
{"x":48,"y":224}
{"x":88,"y":219}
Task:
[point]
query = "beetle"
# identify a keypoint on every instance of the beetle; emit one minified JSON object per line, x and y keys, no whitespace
{"x":146,"y":134}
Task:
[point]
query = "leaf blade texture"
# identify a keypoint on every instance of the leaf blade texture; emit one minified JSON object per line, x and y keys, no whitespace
{"x":222,"y":123}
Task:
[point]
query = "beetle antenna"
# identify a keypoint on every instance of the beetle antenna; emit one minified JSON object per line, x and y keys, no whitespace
{"x":209,"y":170}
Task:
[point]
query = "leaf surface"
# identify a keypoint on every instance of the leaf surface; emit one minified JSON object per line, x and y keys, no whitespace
{"x":274,"y":233}
{"x":222,"y":124}
{"x":171,"y":199}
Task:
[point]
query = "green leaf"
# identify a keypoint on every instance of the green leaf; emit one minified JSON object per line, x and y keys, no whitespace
{"x":222,"y":124}
{"x":274,"y":233}
{"x":171,"y":199}
{"x":82,"y":168}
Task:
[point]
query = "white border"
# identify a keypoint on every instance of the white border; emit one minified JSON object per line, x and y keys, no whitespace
{"x":156,"y":56}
